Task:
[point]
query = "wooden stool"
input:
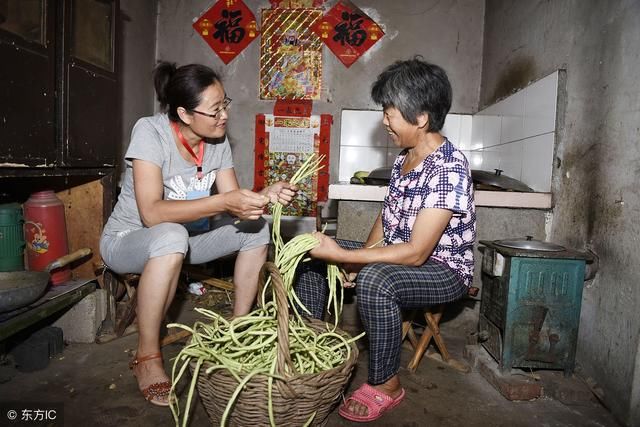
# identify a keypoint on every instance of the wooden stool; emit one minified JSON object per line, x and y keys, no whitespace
{"x":432,"y":315}
{"x":130,"y":282}
{"x":116,"y":285}
{"x":120,"y":318}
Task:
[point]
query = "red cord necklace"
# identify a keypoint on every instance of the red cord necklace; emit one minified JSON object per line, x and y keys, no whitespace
{"x":197,"y":158}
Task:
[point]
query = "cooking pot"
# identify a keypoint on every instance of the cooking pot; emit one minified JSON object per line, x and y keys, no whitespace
{"x":530,"y":244}
{"x":21,"y":288}
{"x":379,"y":176}
{"x":486,"y":180}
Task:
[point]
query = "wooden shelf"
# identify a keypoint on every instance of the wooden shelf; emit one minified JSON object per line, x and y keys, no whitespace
{"x":39,"y":172}
{"x":56,"y":299}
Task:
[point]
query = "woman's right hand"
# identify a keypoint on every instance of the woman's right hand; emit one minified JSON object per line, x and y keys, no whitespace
{"x":349,"y":273}
{"x":245,"y":204}
{"x":348,"y":279}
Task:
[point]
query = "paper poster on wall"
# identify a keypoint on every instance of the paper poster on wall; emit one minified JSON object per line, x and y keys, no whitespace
{"x":290,"y":54}
{"x":295,"y":4}
{"x":282,"y":145}
{"x":348,"y":32}
{"x":228,"y":27}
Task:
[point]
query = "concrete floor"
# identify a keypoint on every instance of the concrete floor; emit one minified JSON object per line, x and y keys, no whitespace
{"x":95,"y":386}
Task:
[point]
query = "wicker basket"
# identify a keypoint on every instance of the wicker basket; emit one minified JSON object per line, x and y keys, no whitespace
{"x":295,"y":399}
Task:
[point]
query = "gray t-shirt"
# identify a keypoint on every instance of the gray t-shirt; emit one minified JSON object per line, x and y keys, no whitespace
{"x":152,"y":140}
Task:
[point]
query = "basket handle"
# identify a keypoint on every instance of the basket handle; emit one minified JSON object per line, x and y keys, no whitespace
{"x":282,"y":316}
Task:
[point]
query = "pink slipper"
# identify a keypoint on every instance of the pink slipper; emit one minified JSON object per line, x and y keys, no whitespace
{"x":376,"y":402}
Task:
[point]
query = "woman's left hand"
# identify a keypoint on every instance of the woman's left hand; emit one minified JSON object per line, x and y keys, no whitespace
{"x":281,"y":191}
{"x":328,"y":249}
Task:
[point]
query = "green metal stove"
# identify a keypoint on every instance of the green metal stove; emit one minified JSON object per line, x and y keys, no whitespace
{"x":530,"y":307}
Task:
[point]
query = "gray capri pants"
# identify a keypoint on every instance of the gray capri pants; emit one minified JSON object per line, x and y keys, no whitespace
{"x":129,"y":251}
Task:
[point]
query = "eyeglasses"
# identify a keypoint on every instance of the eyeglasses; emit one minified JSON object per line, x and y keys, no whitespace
{"x":216,"y":115}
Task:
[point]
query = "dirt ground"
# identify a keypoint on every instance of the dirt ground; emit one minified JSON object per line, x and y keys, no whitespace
{"x":95,"y":388}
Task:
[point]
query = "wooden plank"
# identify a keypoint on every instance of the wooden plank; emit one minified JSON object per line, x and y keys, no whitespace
{"x":108,"y":196}
{"x":218,"y":283}
{"x":177,"y":336}
{"x":84,"y":217}
{"x":11,"y":170}
{"x":43,"y":311}
{"x":128,"y":315}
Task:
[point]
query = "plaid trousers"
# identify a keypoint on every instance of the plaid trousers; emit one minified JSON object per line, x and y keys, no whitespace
{"x":383,"y":290}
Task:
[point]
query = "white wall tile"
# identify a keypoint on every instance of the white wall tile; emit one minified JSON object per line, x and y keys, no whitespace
{"x":507,"y":158}
{"x":451,"y":128}
{"x":354,"y":159}
{"x":362,"y":128}
{"x":487,"y":138}
{"x":491,"y":130}
{"x":537,"y":169}
{"x":516,"y":135}
{"x":392,"y":153}
{"x":540,"y":106}
{"x":512,"y":126}
{"x":490,"y":159}
{"x":474,"y":158}
{"x":491,"y":110}
{"x":510,"y":159}
{"x":477,"y":132}
{"x":465,"y":132}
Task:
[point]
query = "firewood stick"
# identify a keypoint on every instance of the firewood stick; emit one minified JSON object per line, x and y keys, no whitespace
{"x":170,"y":339}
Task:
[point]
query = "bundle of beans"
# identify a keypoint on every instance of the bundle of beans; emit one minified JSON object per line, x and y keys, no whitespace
{"x":310,"y":166}
{"x":297,"y":367}
{"x":287,"y":257}
{"x":287,"y":260}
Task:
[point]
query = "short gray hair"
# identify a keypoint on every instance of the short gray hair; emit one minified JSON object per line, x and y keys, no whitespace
{"x":415,"y":87}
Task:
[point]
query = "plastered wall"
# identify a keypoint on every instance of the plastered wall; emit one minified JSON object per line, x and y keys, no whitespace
{"x":446,"y":33}
{"x":137,"y":57}
{"x":595,"y":174}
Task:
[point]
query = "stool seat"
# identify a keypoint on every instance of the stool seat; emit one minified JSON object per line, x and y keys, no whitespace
{"x":432,"y":316}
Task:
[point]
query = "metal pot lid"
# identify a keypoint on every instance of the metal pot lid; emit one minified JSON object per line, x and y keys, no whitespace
{"x":379,"y":176}
{"x":496,"y":179}
{"x":381,"y":173}
{"x":529,"y":243}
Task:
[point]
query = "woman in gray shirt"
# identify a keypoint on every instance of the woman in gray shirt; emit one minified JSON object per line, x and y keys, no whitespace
{"x":162,"y":216}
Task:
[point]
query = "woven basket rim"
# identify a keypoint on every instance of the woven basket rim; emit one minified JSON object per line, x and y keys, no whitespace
{"x":315,"y":392}
{"x":351,"y":360}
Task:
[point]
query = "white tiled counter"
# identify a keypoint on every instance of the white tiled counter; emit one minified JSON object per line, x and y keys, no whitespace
{"x":496,"y":199}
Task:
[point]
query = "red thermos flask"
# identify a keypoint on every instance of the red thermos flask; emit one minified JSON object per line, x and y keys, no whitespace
{"x":46,"y":234}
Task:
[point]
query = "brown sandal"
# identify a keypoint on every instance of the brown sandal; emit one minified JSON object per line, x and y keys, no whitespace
{"x":155,"y":390}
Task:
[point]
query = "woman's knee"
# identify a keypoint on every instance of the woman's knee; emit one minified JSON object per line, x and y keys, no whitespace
{"x":373,"y":280}
{"x":254,"y":234}
{"x":168,"y":238}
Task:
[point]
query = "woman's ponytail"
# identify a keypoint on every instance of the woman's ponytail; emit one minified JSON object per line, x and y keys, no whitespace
{"x":162,"y":74}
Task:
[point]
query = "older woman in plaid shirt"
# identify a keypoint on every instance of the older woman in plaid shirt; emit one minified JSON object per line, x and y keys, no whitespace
{"x":427,"y":227}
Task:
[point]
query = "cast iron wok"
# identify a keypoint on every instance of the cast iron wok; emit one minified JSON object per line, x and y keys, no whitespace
{"x":20,"y":288}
